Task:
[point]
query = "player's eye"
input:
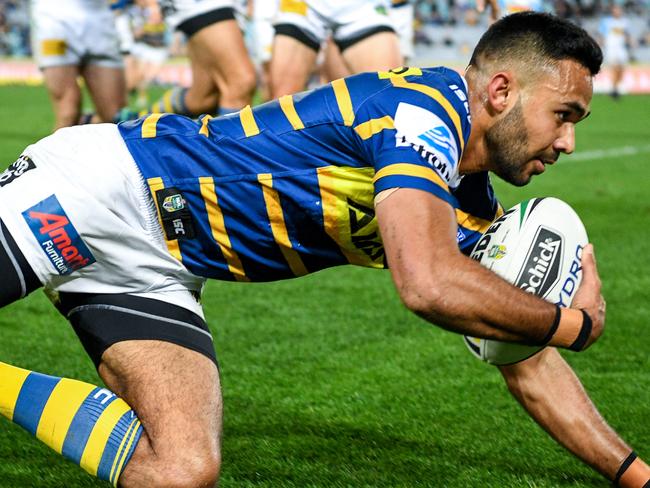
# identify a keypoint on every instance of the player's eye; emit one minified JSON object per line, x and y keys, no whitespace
{"x":563,"y":115}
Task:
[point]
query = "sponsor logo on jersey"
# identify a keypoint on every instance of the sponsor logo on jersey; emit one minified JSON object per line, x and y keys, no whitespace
{"x":429,"y":136}
{"x":173,"y":203}
{"x":57,"y":236}
{"x":541,"y":268}
{"x":16,"y":170}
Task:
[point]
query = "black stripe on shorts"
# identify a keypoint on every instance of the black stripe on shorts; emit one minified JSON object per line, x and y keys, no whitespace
{"x":298,"y":34}
{"x":343,"y":44}
{"x":103,"y":320}
{"x":191,"y":26}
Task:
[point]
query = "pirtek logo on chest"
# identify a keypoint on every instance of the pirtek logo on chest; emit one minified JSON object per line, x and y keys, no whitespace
{"x":58,"y":237}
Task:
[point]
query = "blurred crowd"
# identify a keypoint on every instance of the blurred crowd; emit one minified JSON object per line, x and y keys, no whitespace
{"x":429,"y":14}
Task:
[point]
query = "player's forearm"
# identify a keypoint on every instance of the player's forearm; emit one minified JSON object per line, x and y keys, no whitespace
{"x":553,"y":396}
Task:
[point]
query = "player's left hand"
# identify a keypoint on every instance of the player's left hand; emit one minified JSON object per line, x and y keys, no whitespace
{"x":588,"y":296}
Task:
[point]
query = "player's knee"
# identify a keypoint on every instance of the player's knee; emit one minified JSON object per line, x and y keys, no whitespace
{"x":238,"y":90}
{"x":200,"y":470}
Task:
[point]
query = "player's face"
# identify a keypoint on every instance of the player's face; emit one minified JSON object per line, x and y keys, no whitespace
{"x":541,"y":124}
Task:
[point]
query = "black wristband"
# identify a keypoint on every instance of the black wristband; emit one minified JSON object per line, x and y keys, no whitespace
{"x":556,"y":322}
{"x":626,"y":464}
{"x":585,"y":332}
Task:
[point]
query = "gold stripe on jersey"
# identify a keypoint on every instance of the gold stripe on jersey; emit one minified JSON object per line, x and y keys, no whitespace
{"x":149,"y":125}
{"x":438,"y":97}
{"x":472,"y":222}
{"x":407,"y":169}
{"x":344,"y":101}
{"x":278,"y":225}
{"x":368,"y":129}
{"x":293,"y":6}
{"x":402,"y":71}
{"x":218,"y":226}
{"x":289,"y":110}
{"x":204,"y":131}
{"x":248,"y":121}
{"x":156,"y":184}
{"x":351,"y":223}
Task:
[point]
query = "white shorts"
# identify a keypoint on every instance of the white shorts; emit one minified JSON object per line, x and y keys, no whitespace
{"x":615,"y":56}
{"x":85,"y":221}
{"x":402,"y":18}
{"x":178,"y":12}
{"x":71,"y":33}
{"x":262,"y":38}
{"x":345,"y":19}
{"x":150,"y":54}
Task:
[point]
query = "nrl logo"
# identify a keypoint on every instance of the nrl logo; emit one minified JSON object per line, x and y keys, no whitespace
{"x":174,"y":203}
{"x":497,"y":251}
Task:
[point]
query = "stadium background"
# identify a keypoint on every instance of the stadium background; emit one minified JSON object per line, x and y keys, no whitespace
{"x":328,"y":380}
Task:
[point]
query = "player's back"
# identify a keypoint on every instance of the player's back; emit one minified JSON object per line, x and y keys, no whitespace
{"x":287,"y":188}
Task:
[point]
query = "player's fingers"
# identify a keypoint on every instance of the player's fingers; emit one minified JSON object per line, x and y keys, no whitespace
{"x":589,"y":269}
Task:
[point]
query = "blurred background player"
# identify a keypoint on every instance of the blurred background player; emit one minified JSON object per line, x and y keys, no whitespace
{"x":223,"y":76}
{"x":401,"y":15}
{"x":73,"y":38}
{"x":361,"y":29}
{"x":262,"y":14}
{"x":614,"y":31}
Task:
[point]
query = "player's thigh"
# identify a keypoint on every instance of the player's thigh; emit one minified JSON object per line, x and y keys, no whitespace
{"x":18,"y":278}
{"x":378,"y":52}
{"x":291,"y":64}
{"x":107,"y":87}
{"x":61,"y":83}
{"x":220,"y":49}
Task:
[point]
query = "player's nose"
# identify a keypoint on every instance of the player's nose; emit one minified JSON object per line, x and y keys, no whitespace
{"x":566,"y":140}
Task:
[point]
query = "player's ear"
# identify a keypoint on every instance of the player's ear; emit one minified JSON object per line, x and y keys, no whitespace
{"x":500,"y":91}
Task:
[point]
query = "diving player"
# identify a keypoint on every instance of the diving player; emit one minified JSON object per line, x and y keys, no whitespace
{"x":74,"y":38}
{"x":293,"y":186}
{"x":361,"y":29}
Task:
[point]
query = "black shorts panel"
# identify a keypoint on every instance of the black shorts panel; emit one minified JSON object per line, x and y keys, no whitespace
{"x":17,"y":279}
{"x":298,"y":34}
{"x":191,"y":26}
{"x":343,"y":44}
{"x":103,"y":320}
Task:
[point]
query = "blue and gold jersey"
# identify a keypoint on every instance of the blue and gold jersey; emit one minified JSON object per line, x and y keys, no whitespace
{"x":287,"y":188}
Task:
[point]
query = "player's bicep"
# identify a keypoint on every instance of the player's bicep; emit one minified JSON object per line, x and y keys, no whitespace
{"x":418,"y":230}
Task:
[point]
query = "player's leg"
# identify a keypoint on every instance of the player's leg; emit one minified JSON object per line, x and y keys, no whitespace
{"x":334,"y":66}
{"x":160,"y":359}
{"x":107,"y":88}
{"x":65,"y":94}
{"x":378,"y":52}
{"x":292,"y":62}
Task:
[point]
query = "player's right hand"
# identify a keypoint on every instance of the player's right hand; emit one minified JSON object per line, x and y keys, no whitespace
{"x":588,"y":296}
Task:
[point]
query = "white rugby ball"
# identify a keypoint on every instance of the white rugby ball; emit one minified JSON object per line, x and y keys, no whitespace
{"x":536,"y":245}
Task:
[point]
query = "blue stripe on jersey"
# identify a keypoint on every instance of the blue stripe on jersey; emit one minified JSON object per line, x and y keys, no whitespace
{"x":84,"y":421}
{"x":34,"y":395}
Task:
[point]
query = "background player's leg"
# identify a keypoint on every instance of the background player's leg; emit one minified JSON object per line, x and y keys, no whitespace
{"x":107,"y":87}
{"x":220,"y":49}
{"x":176,"y":393}
{"x":65,"y":94}
{"x":379,"y":52}
{"x":291,"y":64}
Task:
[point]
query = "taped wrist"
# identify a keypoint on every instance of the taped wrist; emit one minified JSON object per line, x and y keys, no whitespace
{"x":571,"y":329}
{"x":633,"y":473}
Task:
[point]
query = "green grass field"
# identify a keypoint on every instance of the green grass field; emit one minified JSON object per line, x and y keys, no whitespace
{"x":330,"y":382}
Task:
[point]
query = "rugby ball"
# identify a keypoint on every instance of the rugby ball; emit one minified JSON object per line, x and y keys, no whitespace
{"x":536,"y":245}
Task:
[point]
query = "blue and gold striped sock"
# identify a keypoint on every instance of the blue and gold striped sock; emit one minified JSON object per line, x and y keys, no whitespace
{"x":172,"y":102}
{"x":89,"y":425}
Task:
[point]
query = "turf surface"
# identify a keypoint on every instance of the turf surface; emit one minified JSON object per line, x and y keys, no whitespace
{"x":330,"y":382}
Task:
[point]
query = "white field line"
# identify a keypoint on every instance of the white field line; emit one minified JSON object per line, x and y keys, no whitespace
{"x":614,"y":152}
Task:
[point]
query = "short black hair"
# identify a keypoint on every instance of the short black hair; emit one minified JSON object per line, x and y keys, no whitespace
{"x":530,"y":35}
